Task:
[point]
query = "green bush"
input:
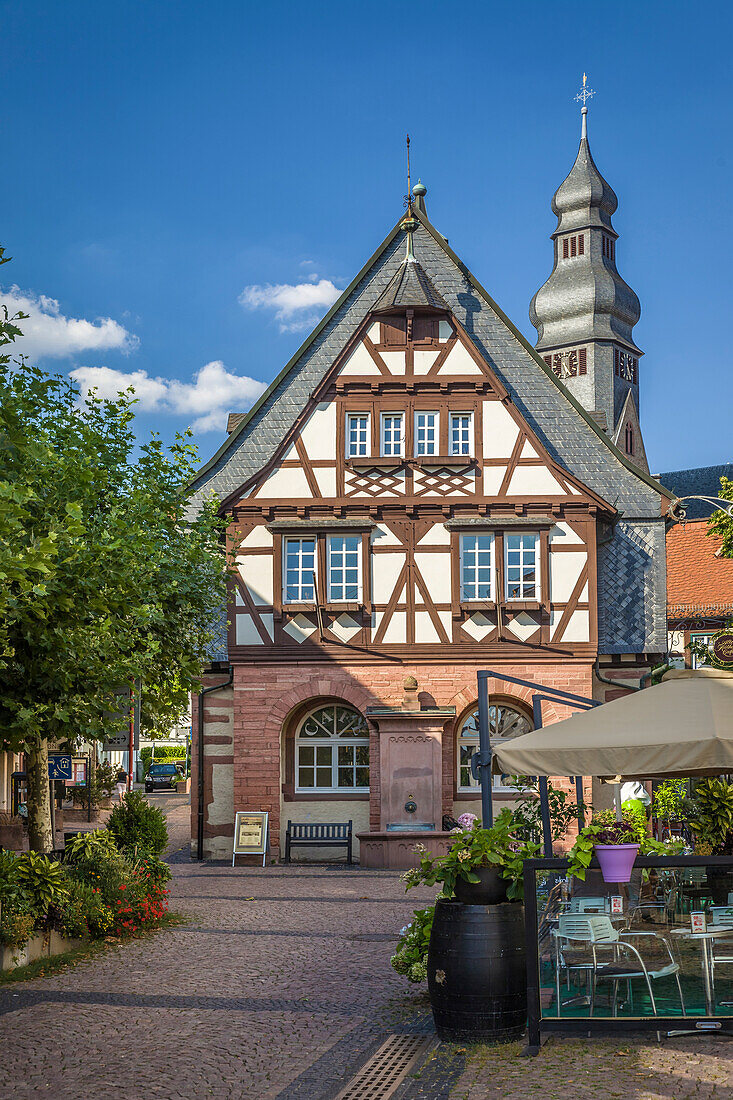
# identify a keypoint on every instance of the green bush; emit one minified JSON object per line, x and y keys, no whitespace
{"x":101,"y":873}
{"x":84,"y":913}
{"x":17,"y":926}
{"x":138,"y":827}
{"x":103,"y":783}
{"x":154,"y":869}
{"x":411,"y":956}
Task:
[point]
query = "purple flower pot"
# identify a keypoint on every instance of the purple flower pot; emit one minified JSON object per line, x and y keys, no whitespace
{"x":616,"y":861}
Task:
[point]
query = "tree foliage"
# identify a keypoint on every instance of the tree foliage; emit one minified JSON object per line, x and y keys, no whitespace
{"x":103,"y":577}
{"x":721,"y":524}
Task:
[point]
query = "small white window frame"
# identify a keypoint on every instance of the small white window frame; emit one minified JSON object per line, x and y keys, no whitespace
{"x":537,"y":567}
{"x":357,"y":452}
{"x":435,"y":429}
{"x":467,"y":414}
{"x":386,"y":416}
{"x":330,"y":567}
{"x":463,"y":552}
{"x":302,"y":583}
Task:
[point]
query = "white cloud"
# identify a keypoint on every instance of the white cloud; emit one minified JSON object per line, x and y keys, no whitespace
{"x":296,"y":306}
{"x":48,"y":334}
{"x":209,"y":397}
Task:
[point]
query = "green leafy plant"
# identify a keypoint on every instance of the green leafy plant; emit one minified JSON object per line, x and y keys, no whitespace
{"x":98,"y":843}
{"x":710,"y":814}
{"x":164,"y":754}
{"x":104,"y":778}
{"x":475,"y":848}
{"x":43,"y":880}
{"x":17,"y":925}
{"x":411,"y":954}
{"x":527,"y":813}
{"x":669,"y":800}
{"x":137,"y":826}
{"x":604,"y":829}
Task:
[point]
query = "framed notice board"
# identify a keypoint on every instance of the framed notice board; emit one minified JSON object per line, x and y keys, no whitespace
{"x":251,"y":834}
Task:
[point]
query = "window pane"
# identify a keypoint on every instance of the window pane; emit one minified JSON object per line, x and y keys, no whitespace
{"x":345,"y":755}
{"x":305,"y":777}
{"x":426,"y":433}
{"x":357,"y":435}
{"x":324,"y":777}
{"x":346,"y":777}
{"x":323,"y":756}
{"x":521,"y":567}
{"x":362,"y":755}
{"x":306,"y":754}
{"x":476,"y":567}
{"x":362,"y":777}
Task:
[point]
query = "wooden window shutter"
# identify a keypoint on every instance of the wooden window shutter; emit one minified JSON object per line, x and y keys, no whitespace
{"x":581,"y":245}
{"x":583,"y":361}
{"x":424,"y":328}
{"x":573,"y":246}
{"x":394,"y":330}
{"x":616,"y":364}
{"x":548,"y":360}
{"x":565,"y":247}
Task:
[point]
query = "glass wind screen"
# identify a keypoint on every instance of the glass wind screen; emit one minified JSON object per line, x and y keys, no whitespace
{"x":632,"y":949}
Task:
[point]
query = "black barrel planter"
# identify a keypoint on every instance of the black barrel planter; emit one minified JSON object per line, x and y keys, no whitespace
{"x":476,"y":972}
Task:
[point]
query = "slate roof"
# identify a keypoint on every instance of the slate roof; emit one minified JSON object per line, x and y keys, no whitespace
{"x":703,"y":481}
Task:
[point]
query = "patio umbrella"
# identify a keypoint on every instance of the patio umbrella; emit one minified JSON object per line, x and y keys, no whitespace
{"x":681,"y":727}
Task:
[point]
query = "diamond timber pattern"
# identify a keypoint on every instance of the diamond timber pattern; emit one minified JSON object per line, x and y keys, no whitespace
{"x":386,"y":1069}
{"x":627,"y":566}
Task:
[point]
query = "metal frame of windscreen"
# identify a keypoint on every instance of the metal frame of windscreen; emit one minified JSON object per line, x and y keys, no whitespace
{"x":539,"y":1025}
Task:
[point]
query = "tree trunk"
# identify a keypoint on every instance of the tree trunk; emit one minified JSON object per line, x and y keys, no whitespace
{"x":40,"y":833}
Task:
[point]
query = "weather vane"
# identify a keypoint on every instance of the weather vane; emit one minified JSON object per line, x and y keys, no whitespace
{"x":586,"y":92}
{"x":408,"y":196}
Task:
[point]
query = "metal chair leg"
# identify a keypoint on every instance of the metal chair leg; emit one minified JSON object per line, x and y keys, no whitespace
{"x":679,"y":990}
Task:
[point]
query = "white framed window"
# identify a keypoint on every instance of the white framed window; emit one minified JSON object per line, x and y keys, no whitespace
{"x":461,"y":434}
{"x":357,"y":435}
{"x":299,"y":569}
{"x":521,"y":566}
{"x":426,"y":433}
{"x":505,"y":722}
{"x":393,"y":434}
{"x":332,"y":750}
{"x":696,"y":660}
{"x":477,"y":567}
{"x":344,"y":567}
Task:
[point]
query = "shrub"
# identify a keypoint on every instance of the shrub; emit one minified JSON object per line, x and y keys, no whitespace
{"x":164,"y":754}
{"x":155,"y":869}
{"x":17,"y":925}
{"x":101,"y":873}
{"x":42,"y":879}
{"x":103,"y":783}
{"x":411,"y":956}
{"x":99,"y":843}
{"x":137,"y":826}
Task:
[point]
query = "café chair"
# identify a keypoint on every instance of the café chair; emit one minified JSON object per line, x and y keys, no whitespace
{"x":598,"y":937}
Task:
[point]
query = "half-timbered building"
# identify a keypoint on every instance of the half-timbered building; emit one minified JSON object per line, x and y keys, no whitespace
{"x":417,"y":496}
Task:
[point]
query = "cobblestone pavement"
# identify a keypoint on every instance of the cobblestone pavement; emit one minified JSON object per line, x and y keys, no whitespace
{"x":280,"y":986}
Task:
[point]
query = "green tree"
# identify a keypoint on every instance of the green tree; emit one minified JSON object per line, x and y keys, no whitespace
{"x":103,"y":579}
{"x":721,"y":524}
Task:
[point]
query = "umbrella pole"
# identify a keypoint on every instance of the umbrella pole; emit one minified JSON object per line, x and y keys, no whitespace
{"x":579,"y":801}
{"x":484,"y":754}
{"x":617,"y":801}
{"x":545,"y":811}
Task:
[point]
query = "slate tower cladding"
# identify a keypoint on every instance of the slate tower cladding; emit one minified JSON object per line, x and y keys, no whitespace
{"x":585,"y":312}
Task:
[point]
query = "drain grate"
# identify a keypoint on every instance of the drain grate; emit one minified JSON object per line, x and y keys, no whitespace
{"x":386,"y":1069}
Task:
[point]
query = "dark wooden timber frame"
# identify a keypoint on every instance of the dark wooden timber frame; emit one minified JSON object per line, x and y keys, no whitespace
{"x":539,"y":1026}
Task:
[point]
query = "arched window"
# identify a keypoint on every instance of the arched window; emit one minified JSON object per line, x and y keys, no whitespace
{"x":505,"y":722}
{"x":332,"y":750}
{"x":629,"y":440}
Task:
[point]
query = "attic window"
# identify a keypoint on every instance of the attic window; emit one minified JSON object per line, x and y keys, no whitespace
{"x":394,"y":331}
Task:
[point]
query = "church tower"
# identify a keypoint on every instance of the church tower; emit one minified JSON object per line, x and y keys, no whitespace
{"x":585,"y":312}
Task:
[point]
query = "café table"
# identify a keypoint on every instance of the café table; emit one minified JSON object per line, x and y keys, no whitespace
{"x":706,"y":941}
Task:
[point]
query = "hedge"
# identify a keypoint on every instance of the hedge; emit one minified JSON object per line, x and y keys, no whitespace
{"x":163,"y":753}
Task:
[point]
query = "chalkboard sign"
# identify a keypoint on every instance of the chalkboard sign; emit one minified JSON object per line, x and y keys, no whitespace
{"x":250,"y":834}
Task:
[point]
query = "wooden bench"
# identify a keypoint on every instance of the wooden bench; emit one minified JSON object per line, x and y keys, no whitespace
{"x":332,"y":834}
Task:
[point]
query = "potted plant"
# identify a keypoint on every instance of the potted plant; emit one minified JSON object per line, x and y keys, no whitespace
{"x":616,"y":845}
{"x":476,"y":971}
{"x":482,"y":866}
{"x":669,"y":803}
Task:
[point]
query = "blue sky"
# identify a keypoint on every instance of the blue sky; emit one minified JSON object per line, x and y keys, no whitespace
{"x":167,"y":164}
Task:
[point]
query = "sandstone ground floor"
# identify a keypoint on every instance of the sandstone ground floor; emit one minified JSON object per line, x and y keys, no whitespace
{"x":385,"y":745}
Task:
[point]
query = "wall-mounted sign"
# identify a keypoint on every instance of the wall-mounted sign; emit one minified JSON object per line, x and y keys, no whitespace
{"x":722,"y":647}
{"x":59,"y":766}
{"x":250,"y":834}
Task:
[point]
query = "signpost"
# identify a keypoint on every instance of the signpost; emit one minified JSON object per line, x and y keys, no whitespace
{"x":59,"y":766}
{"x":251,"y":834}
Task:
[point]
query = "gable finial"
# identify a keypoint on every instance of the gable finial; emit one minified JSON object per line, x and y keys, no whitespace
{"x":583,"y":95}
{"x":407,"y":199}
